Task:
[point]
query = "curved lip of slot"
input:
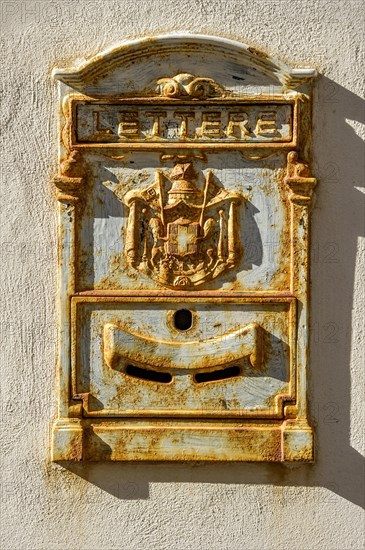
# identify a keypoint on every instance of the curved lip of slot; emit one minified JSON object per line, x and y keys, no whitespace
{"x":191,"y":356}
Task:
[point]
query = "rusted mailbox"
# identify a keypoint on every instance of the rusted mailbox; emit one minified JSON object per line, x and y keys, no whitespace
{"x":184,"y":225}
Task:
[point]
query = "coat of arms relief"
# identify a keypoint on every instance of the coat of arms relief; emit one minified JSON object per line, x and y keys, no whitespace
{"x":179,"y":234}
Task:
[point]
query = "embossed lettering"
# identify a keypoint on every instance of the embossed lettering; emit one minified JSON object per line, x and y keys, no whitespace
{"x":211,"y":124}
{"x":156,"y":124}
{"x":266,"y":124}
{"x":237,"y":125}
{"x":129,"y":125}
{"x":98,"y":129}
{"x":194,"y":123}
{"x":184,"y":126}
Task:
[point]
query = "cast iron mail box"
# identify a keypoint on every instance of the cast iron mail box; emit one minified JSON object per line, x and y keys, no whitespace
{"x":184,"y":224}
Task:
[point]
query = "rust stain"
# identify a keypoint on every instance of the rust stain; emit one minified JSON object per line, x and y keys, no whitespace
{"x":257,"y":52}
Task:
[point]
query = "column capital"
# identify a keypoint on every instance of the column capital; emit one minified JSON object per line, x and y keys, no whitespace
{"x":69,"y":181}
{"x":299,"y":180}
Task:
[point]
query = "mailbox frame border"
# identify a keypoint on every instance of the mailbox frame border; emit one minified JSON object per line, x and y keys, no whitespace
{"x":76,"y":438}
{"x":280,"y":400}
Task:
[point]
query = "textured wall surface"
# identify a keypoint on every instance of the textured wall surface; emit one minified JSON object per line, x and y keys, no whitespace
{"x":187,"y":506}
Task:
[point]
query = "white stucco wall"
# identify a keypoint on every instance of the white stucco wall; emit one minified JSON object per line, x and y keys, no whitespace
{"x":139,"y":506}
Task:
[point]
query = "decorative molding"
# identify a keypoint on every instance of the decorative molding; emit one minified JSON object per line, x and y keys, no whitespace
{"x":71,"y":166}
{"x":189,"y":86}
{"x":69,"y":189}
{"x":298,"y":180}
{"x":257,"y":154}
{"x":69,"y":182}
{"x":129,"y":51}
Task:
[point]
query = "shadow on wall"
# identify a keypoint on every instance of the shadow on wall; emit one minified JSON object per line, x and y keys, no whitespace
{"x":337,"y":224}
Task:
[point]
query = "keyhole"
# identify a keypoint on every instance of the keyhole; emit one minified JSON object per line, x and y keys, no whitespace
{"x":183,"y":319}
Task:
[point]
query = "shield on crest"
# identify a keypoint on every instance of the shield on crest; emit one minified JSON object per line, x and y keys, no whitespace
{"x":182,"y":238}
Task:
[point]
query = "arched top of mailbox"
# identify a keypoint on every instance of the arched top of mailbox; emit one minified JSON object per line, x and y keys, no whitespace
{"x":131,"y":68}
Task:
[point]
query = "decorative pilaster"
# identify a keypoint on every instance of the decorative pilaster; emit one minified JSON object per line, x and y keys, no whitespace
{"x":301,"y":185}
{"x":69,"y":184}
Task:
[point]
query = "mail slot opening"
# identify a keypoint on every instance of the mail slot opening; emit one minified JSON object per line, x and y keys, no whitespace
{"x":146,"y":374}
{"x":183,"y":319}
{"x":215,"y":376}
